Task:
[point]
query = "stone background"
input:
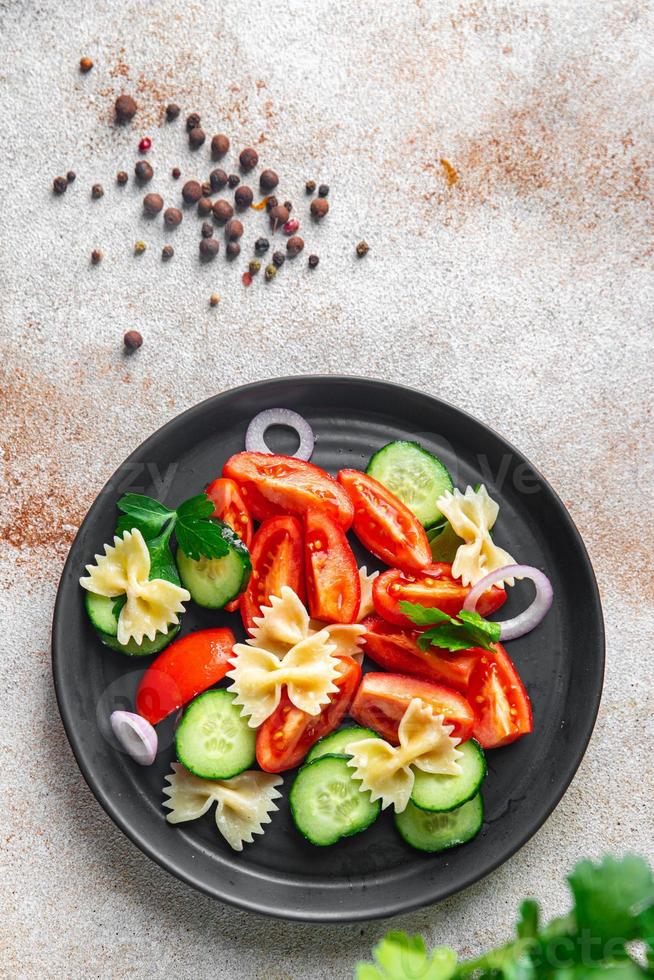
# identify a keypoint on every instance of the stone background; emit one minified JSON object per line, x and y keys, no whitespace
{"x":515,"y":280}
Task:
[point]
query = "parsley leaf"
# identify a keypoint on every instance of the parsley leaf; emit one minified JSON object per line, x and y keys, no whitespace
{"x":402,"y":957}
{"x":200,"y":538}
{"x":468,"y":630}
{"x":423,"y":615}
{"x":197,"y":535}
{"x":144,"y":513}
{"x":610,"y":897}
{"x":196,"y":507}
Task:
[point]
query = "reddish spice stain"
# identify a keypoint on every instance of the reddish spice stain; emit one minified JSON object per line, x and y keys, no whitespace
{"x":260,"y":205}
{"x":450,"y":173}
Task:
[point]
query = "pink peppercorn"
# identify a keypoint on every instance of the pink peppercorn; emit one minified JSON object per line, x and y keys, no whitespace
{"x":145,"y":144}
{"x":291,"y":226}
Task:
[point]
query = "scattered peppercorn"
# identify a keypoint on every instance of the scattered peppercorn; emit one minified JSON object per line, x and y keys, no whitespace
{"x":219,"y":146}
{"x":172,"y":111}
{"x":278,"y":215}
{"x":362,"y":249}
{"x":294,"y":246}
{"x":310,"y":186}
{"x":205,"y":205}
{"x":153,"y":203}
{"x":291,"y":226}
{"x":261,"y":245}
{"x":313,"y":261}
{"x":125,"y":107}
{"x":132,"y":340}
{"x":143,"y":171}
{"x":207,"y":229}
{"x":246,"y":279}
{"x":217,"y":179}
{"x":196,"y":137}
{"x":70,"y":176}
{"x":319,"y":207}
{"x":248,"y":158}
{"x":176,"y":173}
{"x":233,"y":250}
{"x":172,"y":217}
{"x":222,"y":210}
{"x":192,"y":121}
{"x":288,"y":205}
{"x":233,"y":180}
{"x":85,"y":64}
{"x":140,"y":247}
{"x":268,"y":180}
{"x":233,"y":229}
{"x":271,"y":272}
{"x":243,"y":197}
{"x":167,"y":252}
{"x":192,"y":191}
{"x":209,"y":248}
{"x":96,"y":256}
{"x":323,"y":190}
{"x":122,"y":177}
{"x":207,"y":189}
{"x":254,"y":266}
{"x":97,"y":191}
{"x":278,"y":259}
{"x":214,"y":299}
{"x":271,"y":202}
{"x":145,"y":144}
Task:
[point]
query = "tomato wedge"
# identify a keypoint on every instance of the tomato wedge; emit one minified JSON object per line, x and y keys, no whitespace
{"x":333,"y":583}
{"x":230,"y":508}
{"x":382,"y":700}
{"x":396,"y":650}
{"x":277,"y":559}
{"x":282,"y":484}
{"x":433,"y":587}
{"x":287,"y":735}
{"x":187,"y":667}
{"x":499,"y":699}
{"x":384,"y":524}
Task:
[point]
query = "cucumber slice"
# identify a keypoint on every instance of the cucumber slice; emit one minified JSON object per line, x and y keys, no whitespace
{"x":326,"y":802}
{"x":103,"y":613}
{"x":440,"y":794}
{"x":337,"y":742}
{"x":213,"y":582}
{"x":212,"y":740}
{"x":413,"y":475}
{"x":438,"y":831}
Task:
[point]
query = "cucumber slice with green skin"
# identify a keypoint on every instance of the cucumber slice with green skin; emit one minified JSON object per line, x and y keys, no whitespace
{"x":439,"y":831}
{"x":440,"y":794}
{"x":213,"y":582}
{"x":212,"y":740}
{"x":326,"y":802}
{"x":337,"y":742}
{"x":415,"y":476}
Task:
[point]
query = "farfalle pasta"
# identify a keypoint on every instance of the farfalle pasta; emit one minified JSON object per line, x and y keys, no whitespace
{"x":472,"y":515}
{"x":243,"y":803}
{"x":386,"y":770}
{"x":367,"y":579}
{"x":152,"y":604}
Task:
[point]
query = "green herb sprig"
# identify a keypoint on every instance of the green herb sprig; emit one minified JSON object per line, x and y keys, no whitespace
{"x":197,"y":535}
{"x":462,"y":632}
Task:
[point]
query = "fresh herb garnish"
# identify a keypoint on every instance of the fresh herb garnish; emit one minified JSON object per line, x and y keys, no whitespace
{"x":197,"y":535}
{"x":467,"y":630}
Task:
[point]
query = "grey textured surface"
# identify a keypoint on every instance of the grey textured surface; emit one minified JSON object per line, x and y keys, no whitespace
{"x":522,"y":292}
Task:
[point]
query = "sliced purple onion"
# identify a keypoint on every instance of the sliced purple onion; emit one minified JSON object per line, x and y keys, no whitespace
{"x":254,"y":437}
{"x":136,"y":736}
{"x":526,"y":621}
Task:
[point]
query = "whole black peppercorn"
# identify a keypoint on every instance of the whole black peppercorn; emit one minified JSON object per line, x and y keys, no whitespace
{"x":167,"y":252}
{"x":96,"y":256}
{"x":248,"y":158}
{"x":132,"y":340}
{"x":294,"y":245}
{"x":209,"y":248}
{"x":323,"y":190}
{"x":278,"y":259}
{"x":243,"y":197}
{"x":319,"y":207}
{"x":207,"y":229}
{"x":313,"y":261}
{"x":268,"y":180}
{"x":70,"y":176}
{"x":192,"y":191}
{"x":122,"y":177}
{"x":60,"y":185}
{"x":205,"y":205}
{"x":153,"y":203}
{"x":271,"y":272}
{"x":172,"y":111}
{"x":125,"y":108}
{"x":310,"y":186}
{"x":233,"y":180}
{"x":172,"y":217}
{"x":233,"y":229}
{"x":362,"y":249}
{"x":232,"y":250}
{"x":222,"y":210}
{"x":217,"y":179}
{"x":192,"y":121}
{"x":219,"y":146}
{"x":196,"y":137}
{"x":288,"y":205}
{"x":143,"y":171}
{"x":176,"y":173}
{"x":254,"y":265}
{"x":97,"y":191}
{"x":278,"y":215}
{"x":261,"y":245}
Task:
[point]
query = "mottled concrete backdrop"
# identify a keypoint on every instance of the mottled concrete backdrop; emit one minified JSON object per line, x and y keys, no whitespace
{"x":498,"y":159}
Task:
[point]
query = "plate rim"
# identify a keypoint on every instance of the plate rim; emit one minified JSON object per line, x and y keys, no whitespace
{"x":288,"y":912}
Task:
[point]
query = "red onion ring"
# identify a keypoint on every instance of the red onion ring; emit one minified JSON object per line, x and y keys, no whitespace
{"x":254,"y":437}
{"x":136,"y":736}
{"x":523,"y":623}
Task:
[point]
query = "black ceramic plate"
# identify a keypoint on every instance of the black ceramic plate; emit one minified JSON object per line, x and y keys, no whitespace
{"x":375,"y":873}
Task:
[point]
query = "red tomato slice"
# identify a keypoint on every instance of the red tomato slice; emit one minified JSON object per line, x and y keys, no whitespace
{"x":187,"y":667}
{"x":282,"y":484}
{"x":333,"y":584}
{"x":384,"y":524}
{"x":287,"y":735}
{"x":277,"y":559}
{"x":433,"y":587}
{"x":396,"y":649}
{"x":499,"y":699}
{"x":382,"y":700}
{"x":230,"y":508}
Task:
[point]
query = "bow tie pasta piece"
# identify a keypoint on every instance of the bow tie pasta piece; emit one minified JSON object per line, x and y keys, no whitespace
{"x":244,"y":803}
{"x":346,"y":638}
{"x":366,"y":606}
{"x":152,"y":604}
{"x":425,"y":742}
{"x":308,"y":670}
{"x":472,"y":515}
{"x":282,"y":624}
